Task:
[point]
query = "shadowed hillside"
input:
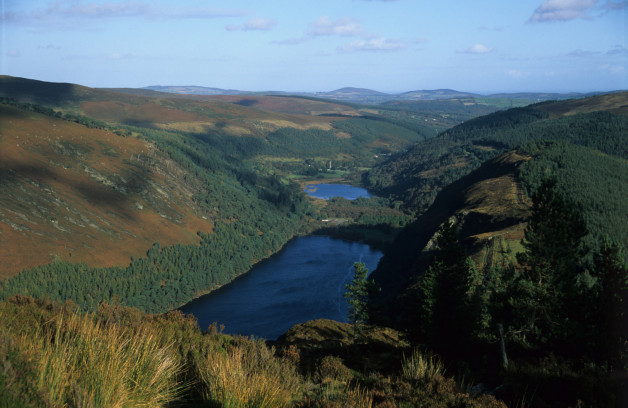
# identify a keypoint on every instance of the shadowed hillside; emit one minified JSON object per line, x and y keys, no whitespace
{"x":86,"y":195}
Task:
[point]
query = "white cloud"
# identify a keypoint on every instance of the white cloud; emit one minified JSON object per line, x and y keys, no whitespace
{"x":324,"y":26}
{"x":345,"y":27}
{"x":254,"y":24}
{"x":476,"y":49}
{"x":348,"y":27}
{"x":563,"y":10}
{"x":77,"y":10}
{"x":373,"y":45}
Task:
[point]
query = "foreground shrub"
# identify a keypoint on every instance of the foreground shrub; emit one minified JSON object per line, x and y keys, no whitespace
{"x":332,"y":368}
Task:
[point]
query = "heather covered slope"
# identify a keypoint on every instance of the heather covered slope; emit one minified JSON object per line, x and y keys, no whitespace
{"x":80,"y":199}
{"x":87,"y":195}
{"x":255,"y":116}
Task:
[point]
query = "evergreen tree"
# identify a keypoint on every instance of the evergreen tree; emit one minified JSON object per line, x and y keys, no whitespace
{"x":610,"y":268}
{"x":548,"y":291}
{"x":448,"y":307}
{"x":357,"y":294}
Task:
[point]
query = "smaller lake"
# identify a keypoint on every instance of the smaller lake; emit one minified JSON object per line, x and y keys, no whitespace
{"x":304,"y":281}
{"x":327,"y":191}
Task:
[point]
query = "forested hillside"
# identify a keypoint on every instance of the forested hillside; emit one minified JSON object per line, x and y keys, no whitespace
{"x":585,"y":152}
{"x":526,"y":252}
{"x":416,"y":176}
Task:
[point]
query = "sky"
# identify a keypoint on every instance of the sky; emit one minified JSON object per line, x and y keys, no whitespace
{"x":484,"y":46}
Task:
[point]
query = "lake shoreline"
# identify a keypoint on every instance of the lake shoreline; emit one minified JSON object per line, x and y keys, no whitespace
{"x":303,"y":281}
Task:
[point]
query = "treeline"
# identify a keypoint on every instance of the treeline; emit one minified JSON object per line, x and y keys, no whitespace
{"x":44,"y":110}
{"x":416,"y":176}
{"x":365,"y":211}
{"x":166,"y":277}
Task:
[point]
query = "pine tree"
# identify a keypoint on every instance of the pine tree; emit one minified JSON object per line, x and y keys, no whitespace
{"x":448,"y":312}
{"x":357,"y":294}
{"x":548,"y":290}
{"x":612,"y":314}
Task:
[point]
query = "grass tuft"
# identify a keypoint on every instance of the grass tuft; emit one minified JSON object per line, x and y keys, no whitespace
{"x":249,"y":375}
{"x":419,"y":367}
{"x":81,"y":363}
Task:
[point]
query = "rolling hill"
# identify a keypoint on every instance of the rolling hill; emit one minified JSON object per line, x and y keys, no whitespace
{"x":370,"y":96}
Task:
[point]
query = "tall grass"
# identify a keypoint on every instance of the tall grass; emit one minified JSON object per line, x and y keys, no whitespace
{"x":331,"y":395}
{"x":419,"y":367}
{"x":83,"y":364}
{"x":249,"y":376}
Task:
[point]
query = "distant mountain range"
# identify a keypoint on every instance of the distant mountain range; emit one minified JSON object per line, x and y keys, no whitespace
{"x":363,"y":95}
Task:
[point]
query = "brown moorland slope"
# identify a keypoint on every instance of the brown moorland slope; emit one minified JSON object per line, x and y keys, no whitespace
{"x":86,"y":195}
{"x":250,"y":115}
{"x":288,"y":104}
{"x":616,"y":103}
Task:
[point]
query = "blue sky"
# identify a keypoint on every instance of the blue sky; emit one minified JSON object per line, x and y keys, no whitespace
{"x":319,"y":45}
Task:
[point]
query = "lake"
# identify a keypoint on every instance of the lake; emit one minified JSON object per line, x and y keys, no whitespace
{"x":304,"y":281}
{"x":327,"y":191}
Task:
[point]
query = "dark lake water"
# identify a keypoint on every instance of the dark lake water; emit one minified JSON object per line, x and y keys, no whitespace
{"x":304,"y":281}
{"x":327,"y":191}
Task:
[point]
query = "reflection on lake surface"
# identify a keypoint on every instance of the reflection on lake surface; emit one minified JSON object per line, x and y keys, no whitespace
{"x":327,"y":191}
{"x":304,"y":281}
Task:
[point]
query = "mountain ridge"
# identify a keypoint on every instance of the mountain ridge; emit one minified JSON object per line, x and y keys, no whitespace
{"x":365,"y":95}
